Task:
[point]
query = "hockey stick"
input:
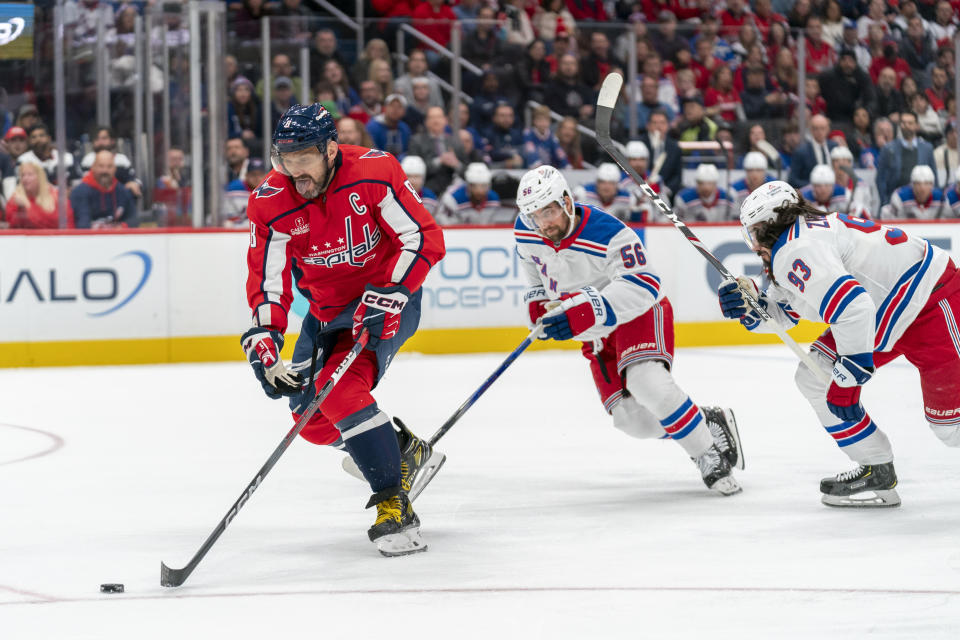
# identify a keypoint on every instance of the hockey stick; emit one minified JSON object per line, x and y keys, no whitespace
{"x":606,"y":103}
{"x":176,"y":577}
{"x":422,"y":482}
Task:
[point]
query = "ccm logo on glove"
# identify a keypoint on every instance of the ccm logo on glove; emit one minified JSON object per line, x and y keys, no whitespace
{"x":394,"y":303}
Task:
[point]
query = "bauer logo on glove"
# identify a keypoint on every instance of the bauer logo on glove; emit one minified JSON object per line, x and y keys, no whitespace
{"x":578,"y":313}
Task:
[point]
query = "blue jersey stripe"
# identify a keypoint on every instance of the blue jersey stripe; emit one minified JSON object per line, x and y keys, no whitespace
{"x":851,"y":295}
{"x":637,"y":281}
{"x":906,"y":299}
{"x":829,"y":295}
{"x":587,"y":251}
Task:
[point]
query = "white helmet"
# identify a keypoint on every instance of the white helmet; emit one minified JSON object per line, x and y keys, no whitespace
{"x":537,"y":189}
{"x":414,"y":166}
{"x":840,"y":152}
{"x":755,"y":160}
{"x":921,"y":173}
{"x":707,"y":173}
{"x":636,"y":149}
{"x":822,"y":174}
{"x":761,"y":204}
{"x":608,"y":172}
{"x":477,"y":173}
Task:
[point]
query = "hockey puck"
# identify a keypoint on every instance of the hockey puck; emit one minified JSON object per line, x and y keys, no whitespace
{"x":111,"y":587}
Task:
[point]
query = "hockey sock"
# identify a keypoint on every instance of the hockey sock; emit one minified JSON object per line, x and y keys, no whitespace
{"x":653,"y":386}
{"x":685,"y":425}
{"x":369,"y":438}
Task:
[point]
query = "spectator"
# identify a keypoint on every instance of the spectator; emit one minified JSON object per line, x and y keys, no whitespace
{"x":944,"y":25}
{"x":554,"y":21}
{"x":483,"y":47}
{"x":876,"y":16}
{"x":833,"y":24}
{"x":757,"y":102}
{"x":282,"y":97}
{"x":845,"y":87}
{"x":749,"y":39}
{"x":849,"y":40}
{"x":587,"y":10}
{"x":473,"y":202}
{"x":540,"y":145}
{"x":709,"y":30}
{"x":416,"y":170}
{"x":43,"y":153}
{"x":441,"y":151}
{"x":567,"y":95}
{"x":100,"y":201}
{"x":928,"y":122}
{"x":533,"y":72}
{"x":918,"y":200}
{"x":899,"y":23}
{"x":504,"y":139}
{"x":917,"y":49}
{"x":665,"y":40}
{"x":668,"y":91}
{"x":417,"y":68}
{"x":823,"y":192}
{"x":939,"y":90}
{"x":370,"y":105}
{"x":816,"y":150}
{"x":600,"y":61}
{"x":291,"y":23}
{"x":104,"y":139}
{"x":785,"y":76}
{"x":325,"y":48}
{"x":900,"y":156}
{"x":176,"y":176}
{"x":720,"y":99}
{"x":945,"y":156}
{"x":237,"y":193}
{"x":388,"y":130}
{"x":246,"y":22}
{"x":764,"y":18}
{"x":382,"y":74}
{"x":706,"y":202}
{"x":467,"y":11}
{"x":705,"y":64}
{"x":732,"y":18}
{"x":517,"y":29}
{"x":15,"y":143}
{"x":280,"y":66}
{"x":433,"y":18}
{"x":243,"y":113}
{"x":778,"y":38}
{"x":861,"y":137}
{"x":34,"y":202}
{"x":650,"y":102}
{"x":883,"y":133}
{"x":569,"y":137}
{"x":28,"y":117}
{"x":695,"y":125}
{"x":891,"y":59}
{"x":820,"y":55}
{"x":887,"y":99}
{"x":465,"y":124}
{"x":485,"y":102}
{"x":755,"y":174}
{"x":237,"y":155}
{"x":350,"y":131}
{"x":231,"y":70}
{"x":376,"y":49}
{"x":909,"y":88}
{"x":605,"y":192}
{"x":666,"y":157}
{"x":417,"y":108}
{"x":790,"y":141}
{"x":343,"y":94}
{"x":470,"y":152}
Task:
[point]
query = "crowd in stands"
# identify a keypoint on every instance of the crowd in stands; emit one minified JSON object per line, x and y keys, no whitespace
{"x":878,"y":104}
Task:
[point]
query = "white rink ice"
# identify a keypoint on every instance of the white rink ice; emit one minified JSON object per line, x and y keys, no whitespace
{"x":545,"y":523}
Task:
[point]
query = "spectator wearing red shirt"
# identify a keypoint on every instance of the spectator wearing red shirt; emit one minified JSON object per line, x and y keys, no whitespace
{"x":815,"y":102}
{"x":764,"y":17}
{"x":820,"y":55}
{"x":777,"y":38}
{"x":370,"y":105}
{"x":708,"y":62}
{"x":684,"y":60}
{"x":732,"y":18}
{"x":587,"y":10}
{"x":889,"y":59}
{"x":721,"y":99}
{"x":33,"y":204}
{"x":433,"y":18}
{"x":938,"y":91}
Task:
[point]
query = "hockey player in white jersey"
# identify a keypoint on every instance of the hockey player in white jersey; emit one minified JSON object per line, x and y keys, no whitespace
{"x":589,"y":280}
{"x":884,"y":294}
{"x":951,"y":196}
{"x":606,"y":192}
{"x":824,"y":193}
{"x":919,"y":200}
{"x":706,"y":202}
{"x":755,"y":169}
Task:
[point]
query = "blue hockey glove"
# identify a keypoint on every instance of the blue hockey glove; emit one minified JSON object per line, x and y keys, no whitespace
{"x":262,"y":348}
{"x":379,"y":311}
{"x":843,"y":396}
{"x":733,"y":301}
{"x":576,"y":313}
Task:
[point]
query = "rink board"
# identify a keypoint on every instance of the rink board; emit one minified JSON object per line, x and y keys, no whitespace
{"x":141,"y":297}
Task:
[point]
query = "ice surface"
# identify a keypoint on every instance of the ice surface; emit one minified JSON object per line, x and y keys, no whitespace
{"x":546,"y":522}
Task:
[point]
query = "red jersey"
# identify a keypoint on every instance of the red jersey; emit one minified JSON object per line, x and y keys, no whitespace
{"x":369,"y":227}
{"x":727,"y":102}
{"x":820,"y":57}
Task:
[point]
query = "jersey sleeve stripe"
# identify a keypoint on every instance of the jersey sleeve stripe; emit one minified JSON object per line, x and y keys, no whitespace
{"x":588,"y":251}
{"x":899,"y":299}
{"x":792,"y":315}
{"x":654,"y":288}
{"x":832,"y":292}
{"x":406,"y":227}
{"x":844,"y":296}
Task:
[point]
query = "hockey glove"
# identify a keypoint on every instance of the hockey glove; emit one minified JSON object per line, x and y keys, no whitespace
{"x":576,"y":313}
{"x":843,"y":396}
{"x":537,"y":302}
{"x":262,"y":348}
{"x":379,"y":311}
{"x":734,"y":304}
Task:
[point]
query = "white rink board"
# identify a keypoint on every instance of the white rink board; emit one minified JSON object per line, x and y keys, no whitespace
{"x":156,"y":285}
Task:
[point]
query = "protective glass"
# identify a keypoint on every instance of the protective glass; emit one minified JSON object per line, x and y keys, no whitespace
{"x":295,"y":163}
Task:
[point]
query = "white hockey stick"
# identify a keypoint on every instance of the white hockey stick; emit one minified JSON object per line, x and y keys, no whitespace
{"x":606,"y":103}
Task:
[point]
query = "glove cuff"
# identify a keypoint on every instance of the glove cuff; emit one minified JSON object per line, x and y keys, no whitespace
{"x":853,"y":371}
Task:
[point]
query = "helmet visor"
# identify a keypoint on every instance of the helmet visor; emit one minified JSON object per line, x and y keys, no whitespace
{"x":295,"y":163}
{"x":535,"y":219}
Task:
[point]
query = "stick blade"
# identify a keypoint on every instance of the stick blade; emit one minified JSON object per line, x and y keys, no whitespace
{"x":172,"y":577}
{"x":610,"y":90}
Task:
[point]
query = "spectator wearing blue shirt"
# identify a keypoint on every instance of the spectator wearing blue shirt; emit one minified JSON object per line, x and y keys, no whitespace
{"x":650,"y":102}
{"x":100,"y":201}
{"x":504,"y":139}
{"x":540,"y":145}
{"x":388,"y":130}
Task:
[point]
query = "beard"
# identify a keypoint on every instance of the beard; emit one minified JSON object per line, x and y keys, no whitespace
{"x":307,"y":187}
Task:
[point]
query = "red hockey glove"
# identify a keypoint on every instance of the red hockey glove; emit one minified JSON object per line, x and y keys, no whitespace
{"x":843,"y":396}
{"x":536,"y":300}
{"x":379,"y":311}
{"x":262,"y":348}
{"x":576,"y":313}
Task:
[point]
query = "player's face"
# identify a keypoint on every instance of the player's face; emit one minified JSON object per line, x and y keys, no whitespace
{"x":309,"y":169}
{"x":639,"y":165}
{"x":755,"y":178}
{"x":750,"y":237}
{"x":922,"y":191}
{"x":822,"y":192}
{"x":606,"y":190}
{"x":552,"y":221}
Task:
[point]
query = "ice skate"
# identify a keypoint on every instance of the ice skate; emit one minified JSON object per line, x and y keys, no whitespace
{"x":716,"y":473}
{"x":396,"y":531}
{"x":869,"y":486}
{"x":419,"y":462}
{"x":723,"y":428}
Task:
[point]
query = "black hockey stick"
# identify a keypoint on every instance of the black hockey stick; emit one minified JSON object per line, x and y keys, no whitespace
{"x":606,"y":103}
{"x":176,"y":577}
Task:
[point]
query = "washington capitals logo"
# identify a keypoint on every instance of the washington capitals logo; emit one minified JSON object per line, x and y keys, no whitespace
{"x":374,"y":153}
{"x":265,"y":190}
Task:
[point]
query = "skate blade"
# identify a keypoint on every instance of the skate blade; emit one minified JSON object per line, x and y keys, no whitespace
{"x":351,"y":467}
{"x":735,"y":432}
{"x":864,"y":500}
{"x":726,"y":486}
{"x":426,"y":473}
{"x":404,"y":543}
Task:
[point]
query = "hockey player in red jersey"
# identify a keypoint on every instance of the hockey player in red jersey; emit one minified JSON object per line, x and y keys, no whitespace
{"x":343,"y":225}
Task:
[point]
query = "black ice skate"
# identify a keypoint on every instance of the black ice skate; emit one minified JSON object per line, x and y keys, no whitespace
{"x":869,"y":485}
{"x":716,"y":473}
{"x":396,"y":531}
{"x":723,"y":428}
{"x":419,"y":462}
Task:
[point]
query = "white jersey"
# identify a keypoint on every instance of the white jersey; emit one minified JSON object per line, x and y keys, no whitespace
{"x":867,"y":281}
{"x":602,"y":252}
